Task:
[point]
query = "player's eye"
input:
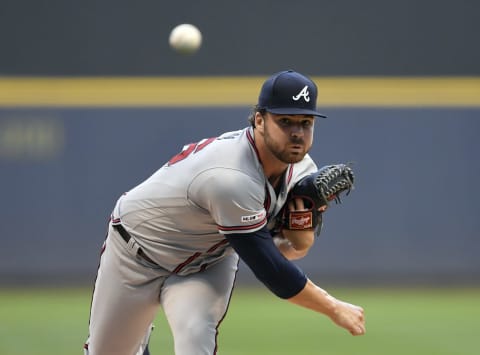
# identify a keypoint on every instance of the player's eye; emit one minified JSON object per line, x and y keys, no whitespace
{"x":307,"y":123}
{"x":285,"y":121}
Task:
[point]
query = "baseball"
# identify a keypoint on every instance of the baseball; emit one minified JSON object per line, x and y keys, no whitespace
{"x":185,"y":38}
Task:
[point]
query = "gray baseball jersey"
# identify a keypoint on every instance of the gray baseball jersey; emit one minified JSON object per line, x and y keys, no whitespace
{"x":178,"y":218}
{"x":213,"y":187}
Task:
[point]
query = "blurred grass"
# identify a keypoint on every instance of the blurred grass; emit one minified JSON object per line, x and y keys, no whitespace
{"x":399,"y":321}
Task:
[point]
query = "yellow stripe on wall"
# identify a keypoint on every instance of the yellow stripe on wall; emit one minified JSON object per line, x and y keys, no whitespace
{"x":233,"y":91}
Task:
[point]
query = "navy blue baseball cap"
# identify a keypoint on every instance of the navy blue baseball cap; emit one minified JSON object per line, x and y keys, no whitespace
{"x":290,"y":93}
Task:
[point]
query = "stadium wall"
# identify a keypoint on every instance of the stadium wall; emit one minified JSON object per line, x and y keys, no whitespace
{"x":411,"y":219}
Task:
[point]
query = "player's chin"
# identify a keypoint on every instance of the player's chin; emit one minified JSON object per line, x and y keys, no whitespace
{"x":294,"y":157}
{"x":291,"y":156}
{"x":297,"y":153}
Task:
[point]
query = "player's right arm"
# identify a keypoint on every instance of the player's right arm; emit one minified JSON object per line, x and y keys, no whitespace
{"x":287,"y":281}
{"x":222,"y":193}
{"x":345,"y":315}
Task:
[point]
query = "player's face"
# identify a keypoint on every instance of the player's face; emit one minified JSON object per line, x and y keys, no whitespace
{"x":288,"y":137}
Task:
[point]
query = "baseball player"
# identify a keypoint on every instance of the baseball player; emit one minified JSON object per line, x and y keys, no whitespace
{"x":174,"y":241}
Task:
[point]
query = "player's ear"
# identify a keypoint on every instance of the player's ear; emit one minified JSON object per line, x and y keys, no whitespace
{"x":259,"y":121}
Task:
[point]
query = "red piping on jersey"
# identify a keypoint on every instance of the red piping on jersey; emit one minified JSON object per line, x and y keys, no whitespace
{"x":197,"y":254}
{"x":290,"y":167}
{"x":252,"y":142}
{"x":259,"y":224}
{"x":217,"y":245}
{"x":202,"y":145}
{"x":290,"y":173}
{"x":254,"y":146}
{"x":186,"y":262}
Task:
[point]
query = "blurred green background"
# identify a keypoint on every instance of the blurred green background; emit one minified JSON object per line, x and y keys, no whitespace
{"x":399,"y":321}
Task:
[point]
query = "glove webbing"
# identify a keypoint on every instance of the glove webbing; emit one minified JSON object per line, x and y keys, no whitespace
{"x":331,"y":193}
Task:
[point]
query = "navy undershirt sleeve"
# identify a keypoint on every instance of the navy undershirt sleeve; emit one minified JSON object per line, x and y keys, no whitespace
{"x":257,"y":250}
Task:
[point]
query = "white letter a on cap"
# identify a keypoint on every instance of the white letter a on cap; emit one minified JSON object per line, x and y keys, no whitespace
{"x":304,"y":93}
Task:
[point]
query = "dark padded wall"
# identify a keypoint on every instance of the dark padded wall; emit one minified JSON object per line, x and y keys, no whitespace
{"x":413,"y":216}
{"x":121,"y":37}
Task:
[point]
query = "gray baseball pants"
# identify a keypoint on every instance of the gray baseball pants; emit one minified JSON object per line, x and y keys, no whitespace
{"x":129,"y":291}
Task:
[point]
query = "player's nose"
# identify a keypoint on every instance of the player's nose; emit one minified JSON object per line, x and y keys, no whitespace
{"x":296,"y":130}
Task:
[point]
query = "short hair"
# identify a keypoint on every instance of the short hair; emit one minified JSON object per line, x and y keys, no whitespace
{"x":251,"y":117}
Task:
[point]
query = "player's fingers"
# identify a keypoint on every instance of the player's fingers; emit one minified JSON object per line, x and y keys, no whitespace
{"x":358,"y":330}
{"x":300,"y":205}
{"x":296,"y":204}
{"x":355,"y":307}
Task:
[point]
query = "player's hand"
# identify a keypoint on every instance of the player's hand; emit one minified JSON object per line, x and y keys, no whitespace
{"x":297,"y":204}
{"x":349,"y":316}
{"x":343,"y":314}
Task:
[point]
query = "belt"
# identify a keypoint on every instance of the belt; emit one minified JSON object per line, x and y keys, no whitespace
{"x":126,"y":237}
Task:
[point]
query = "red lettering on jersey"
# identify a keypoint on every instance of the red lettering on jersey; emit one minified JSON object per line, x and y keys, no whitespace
{"x":203,"y":144}
{"x":190,"y":149}
{"x":183,"y":154}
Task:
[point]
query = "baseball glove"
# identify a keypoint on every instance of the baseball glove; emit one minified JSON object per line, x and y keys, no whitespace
{"x":317,"y":190}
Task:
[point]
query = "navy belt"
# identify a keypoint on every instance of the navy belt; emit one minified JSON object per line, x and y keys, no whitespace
{"x":126,"y":237}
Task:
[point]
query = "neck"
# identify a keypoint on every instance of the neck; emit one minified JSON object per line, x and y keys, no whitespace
{"x":273,"y":168}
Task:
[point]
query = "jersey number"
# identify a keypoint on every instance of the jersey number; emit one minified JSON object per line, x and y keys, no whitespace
{"x":190,"y":149}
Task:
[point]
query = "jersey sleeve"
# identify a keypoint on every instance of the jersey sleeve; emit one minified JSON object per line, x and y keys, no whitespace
{"x":234,"y":200}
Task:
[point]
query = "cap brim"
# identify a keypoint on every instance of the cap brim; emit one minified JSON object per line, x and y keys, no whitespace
{"x":295,"y":111}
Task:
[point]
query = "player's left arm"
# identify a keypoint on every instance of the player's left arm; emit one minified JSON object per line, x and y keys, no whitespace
{"x":295,"y":244}
{"x":293,"y":251}
{"x":302,"y":215}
